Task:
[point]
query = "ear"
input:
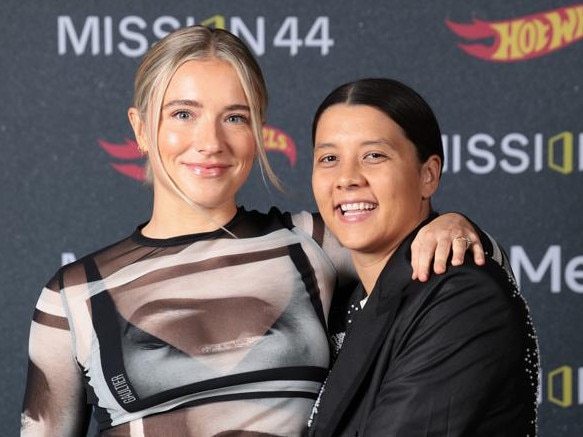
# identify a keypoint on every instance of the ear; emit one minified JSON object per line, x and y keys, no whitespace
{"x":139,"y":129}
{"x":430,"y":175}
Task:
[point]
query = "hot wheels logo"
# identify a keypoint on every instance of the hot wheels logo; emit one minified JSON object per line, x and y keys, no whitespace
{"x":276,"y":140}
{"x":132,"y":163}
{"x":522,"y":38}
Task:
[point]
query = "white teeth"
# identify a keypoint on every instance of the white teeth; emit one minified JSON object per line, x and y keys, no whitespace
{"x":357,"y":206}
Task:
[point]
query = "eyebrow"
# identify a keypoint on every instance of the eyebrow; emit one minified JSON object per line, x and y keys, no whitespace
{"x":196,"y":104}
{"x":319,"y":146}
{"x":182,"y":102}
{"x":381,"y":141}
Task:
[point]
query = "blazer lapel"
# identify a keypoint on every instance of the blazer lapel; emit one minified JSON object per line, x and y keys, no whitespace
{"x":363,"y":343}
{"x":360,"y":349}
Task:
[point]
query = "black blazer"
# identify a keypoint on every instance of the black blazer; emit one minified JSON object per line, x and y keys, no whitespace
{"x":455,"y":356}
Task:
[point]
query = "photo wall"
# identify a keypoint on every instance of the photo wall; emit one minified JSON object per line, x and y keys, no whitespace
{"x":504,"y":77}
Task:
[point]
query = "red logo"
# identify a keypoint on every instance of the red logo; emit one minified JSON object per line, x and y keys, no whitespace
{"x":523,"y":38}
{"x":132,"y":163}
{"x":276,"y":140}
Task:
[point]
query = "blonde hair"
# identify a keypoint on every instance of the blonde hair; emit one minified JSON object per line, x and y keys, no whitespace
{"x":199,"y":43}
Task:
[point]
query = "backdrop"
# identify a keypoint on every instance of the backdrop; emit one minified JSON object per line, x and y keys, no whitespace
{"x":504,"y":78}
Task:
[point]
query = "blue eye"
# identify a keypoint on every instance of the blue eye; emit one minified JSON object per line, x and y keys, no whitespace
{"x":237,"y":118}
{"x":182,"y":115}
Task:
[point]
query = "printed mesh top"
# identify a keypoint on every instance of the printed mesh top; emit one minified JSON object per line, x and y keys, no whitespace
{"x":198,"y":335}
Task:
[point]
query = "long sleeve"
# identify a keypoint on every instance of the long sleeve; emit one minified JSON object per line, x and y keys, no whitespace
{"x":54,"y":402}
{"x":456,"y":363}
{"x":313,"y":225}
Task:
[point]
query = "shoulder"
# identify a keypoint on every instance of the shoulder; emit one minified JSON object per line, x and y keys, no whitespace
{"x":305,"y":219}
{"x":487,"y":292}
{"x":310,"y":223}
{"x":76,"y":272}
{"x":469,"y":301}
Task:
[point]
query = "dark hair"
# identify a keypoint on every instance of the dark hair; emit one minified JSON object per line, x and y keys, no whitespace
{"x":399,"y":102}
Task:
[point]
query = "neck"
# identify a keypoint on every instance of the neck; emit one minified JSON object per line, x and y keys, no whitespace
{"x":172,"y":219}
{"x":369,"y":267}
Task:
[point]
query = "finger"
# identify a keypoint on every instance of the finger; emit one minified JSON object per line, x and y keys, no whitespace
{"x":478,"y":252}
{"x":459,"y":246}
{"x":421,"y":257}
{"x":441,"y":255}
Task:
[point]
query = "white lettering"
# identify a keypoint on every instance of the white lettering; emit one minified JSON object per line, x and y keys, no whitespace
{"x":122,"y":389}
{"x":257,"y":44}
{"x":287,"y":36}
{"x":455,"y":156}
{"x":552,"y":259}
{"x":107,"y":36}
{"x":128,"y":34}
{"x":486,"y":155}
{"x":66,"y":32}
{"x":133,"y":35}
{"x":514,"y":153}
{"x":320,"y":27}
{"x":538,"y":152}
{"x":550,"y":263}
{"x":521,"y":155}
{"x":573,"y":273}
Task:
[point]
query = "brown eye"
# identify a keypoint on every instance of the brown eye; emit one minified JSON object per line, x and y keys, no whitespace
{"x":327,"y":159}
{"x":375,"y":156}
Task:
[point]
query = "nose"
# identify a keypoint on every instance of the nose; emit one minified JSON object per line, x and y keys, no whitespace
{"x":349,"y":177}
{"x":209,"y":138}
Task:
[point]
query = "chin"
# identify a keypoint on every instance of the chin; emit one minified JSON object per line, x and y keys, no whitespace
{"x":354,"y":244}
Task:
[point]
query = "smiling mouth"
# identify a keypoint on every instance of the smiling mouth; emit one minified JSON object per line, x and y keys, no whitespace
{"x":356,"y":208}
{"x":208,"y":169}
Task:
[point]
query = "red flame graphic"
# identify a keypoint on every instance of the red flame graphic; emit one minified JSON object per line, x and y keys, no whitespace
{"x":127,"y":152}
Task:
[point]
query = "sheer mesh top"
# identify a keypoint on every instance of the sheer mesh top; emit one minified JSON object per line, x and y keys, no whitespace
{"x":198,"y":335}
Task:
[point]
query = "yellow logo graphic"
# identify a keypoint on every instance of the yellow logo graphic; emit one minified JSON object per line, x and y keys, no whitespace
{"x":522,"y":38}
{"x":560,"y":383}
{"x":561,"y":152}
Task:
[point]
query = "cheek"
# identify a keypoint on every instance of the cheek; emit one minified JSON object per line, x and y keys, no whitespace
{"x":406,"y":194}
{"x":315,"y":185}
{"x":251,"y":151}
{"x":170,"y":141}
{"x":320,"y":189}
{"x":244,"y":147}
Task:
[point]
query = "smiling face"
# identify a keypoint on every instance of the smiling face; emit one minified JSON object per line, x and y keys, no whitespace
{"x":368,"y":182}
{"x":205,"y":139}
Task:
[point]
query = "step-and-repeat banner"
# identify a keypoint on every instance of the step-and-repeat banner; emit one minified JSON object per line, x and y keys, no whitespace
{"x":505,"y":78}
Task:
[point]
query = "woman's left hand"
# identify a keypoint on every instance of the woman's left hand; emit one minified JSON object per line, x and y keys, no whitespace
{"x":448,"y":232}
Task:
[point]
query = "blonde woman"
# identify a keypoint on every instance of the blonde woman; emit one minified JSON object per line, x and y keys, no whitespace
{"x":208,"y":319}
